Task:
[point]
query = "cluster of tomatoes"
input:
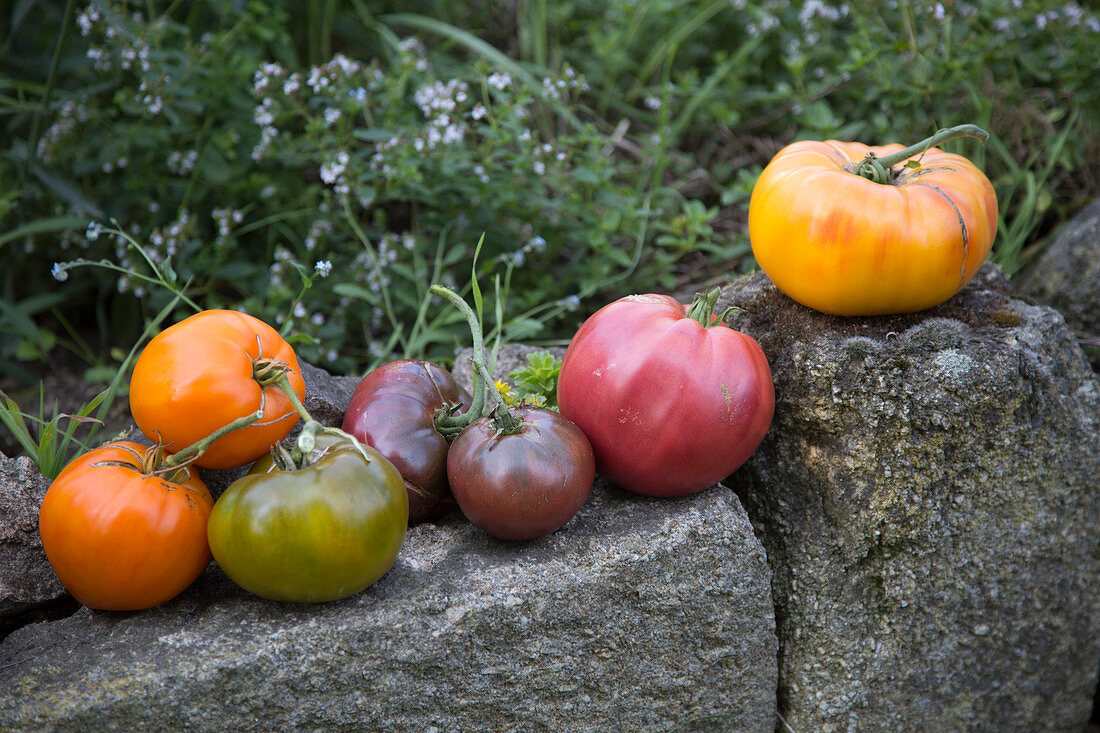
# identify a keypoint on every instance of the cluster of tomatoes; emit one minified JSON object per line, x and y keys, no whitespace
{"x":660,"y":398}
{"x":128,"y":526}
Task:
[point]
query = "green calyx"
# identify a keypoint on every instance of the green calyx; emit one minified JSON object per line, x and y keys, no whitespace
{"x":881,"y":170}
{"x":484,"y":390}
{"x":314,"y":442}
{"x":702,"y":309}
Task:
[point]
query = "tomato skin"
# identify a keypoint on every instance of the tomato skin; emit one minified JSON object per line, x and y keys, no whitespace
{"x":119,"y":540}
{"x":842,"y":244}
{"x":196,"y":376}
{"x":315,"y":534}
{"x":670,"y":407}
{"x":393,"y":410}
{"x":524,"y":485}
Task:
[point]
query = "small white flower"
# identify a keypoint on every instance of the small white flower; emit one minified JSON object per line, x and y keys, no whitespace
{"x":86,"y":18}
{"x":60,"y":271}
{"x":332,"y":172}
{"x":331,"y":115}
{"x":262,"y":115}
{"x":323,"y":268}
{"x":453,"y":134}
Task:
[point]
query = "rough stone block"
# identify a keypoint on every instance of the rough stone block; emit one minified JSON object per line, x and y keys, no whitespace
{"x":927,"y":496}
{"x":640,"y":615}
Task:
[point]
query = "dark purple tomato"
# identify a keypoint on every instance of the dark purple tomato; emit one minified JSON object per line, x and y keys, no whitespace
{"x":393,"y":410}
{"x":526,"y":484}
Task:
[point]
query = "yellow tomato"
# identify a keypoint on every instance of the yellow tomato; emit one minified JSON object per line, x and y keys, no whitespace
{"x":838,"y":242}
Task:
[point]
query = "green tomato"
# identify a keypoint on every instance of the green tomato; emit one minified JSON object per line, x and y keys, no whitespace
{"x":318,"y":533}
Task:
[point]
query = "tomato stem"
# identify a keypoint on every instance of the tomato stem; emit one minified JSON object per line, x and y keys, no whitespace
{"x":446,"y":422}
{"x":880,"y":170}
{"x":282,"y":383}
{"x":306,"y":442}
{"x":198,"y":448}
{"x":506,"y":423}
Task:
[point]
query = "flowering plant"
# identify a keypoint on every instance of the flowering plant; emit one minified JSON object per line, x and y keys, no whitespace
{"x":385,"y":170}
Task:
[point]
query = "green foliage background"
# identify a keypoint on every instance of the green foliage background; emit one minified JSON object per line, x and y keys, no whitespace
{"x":600,"y":147}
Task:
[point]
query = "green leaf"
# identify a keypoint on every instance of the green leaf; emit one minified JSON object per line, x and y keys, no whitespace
{"x":13,"y":418}
{"x":474,"y":287}
{"x":374,"y":134}
{"x":213,"y":167}
{"x":67,"y":191}
{"x":539,"y":378}
{"x":43,"y":226}
{"x":355,"y":291}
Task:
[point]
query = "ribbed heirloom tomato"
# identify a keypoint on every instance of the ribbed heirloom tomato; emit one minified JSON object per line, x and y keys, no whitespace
{"x":207,"y":371}
{"x":670,"y":405}
{"x":394,"y":409}
{"x":854,"y":230}
{"x":317,"y":532}
{"x":122,"y":535}
{"x":523,"y":482}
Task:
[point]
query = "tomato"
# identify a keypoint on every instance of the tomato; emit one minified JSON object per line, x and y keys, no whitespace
{"x":321,"y":532}
{"x":840,"y":243}
{"x":671,"y":406}
{"x":521,"y":485}
{"x":201,"y":374}
{"x":119,"y":538}
{"x":393,"y":409}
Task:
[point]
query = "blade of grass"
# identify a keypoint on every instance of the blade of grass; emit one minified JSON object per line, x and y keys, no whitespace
{"x":67,"y":191}
{"x":532,"y":32}
{"x":611,"y":74}
{"x":43,"y":226}
{"x":704,"y":92}
{"x":672,"y":41}
{"x":475,"y":288}
{"x":51,"y":79}
{"x":15,"y":420}
{"x":391,"y":43}
{"x":1018,"y":218}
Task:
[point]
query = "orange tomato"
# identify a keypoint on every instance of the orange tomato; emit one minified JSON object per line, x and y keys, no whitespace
{"x":840,"y":243}
{"x":197,"y":376}
{"x":120,"y":539}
